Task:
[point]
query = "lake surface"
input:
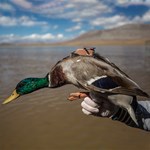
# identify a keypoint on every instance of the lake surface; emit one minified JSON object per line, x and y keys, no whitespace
{"x":45,"y":120}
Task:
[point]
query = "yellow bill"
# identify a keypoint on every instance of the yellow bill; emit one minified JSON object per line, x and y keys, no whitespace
{"x":13,"y":96}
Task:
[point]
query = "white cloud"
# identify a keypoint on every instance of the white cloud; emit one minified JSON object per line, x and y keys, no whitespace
{"x":84,"y":10}
{"x":8,"y":38}
{"x":77,"y":20}
{"x":79,"y":11}
{"x":132,"y":2}
{"x":86,"y":1}
{"x":26,"y":21}
{"x":74,"y":28}
{"x":118,"y":20}
{"x":89,"y":13}
{"x":7,"y":21}
{"x":37,"y":37}
{"x":110,"y":22}
{"x":60,"y":36}
{"x":23,"y":3}
{"x":48,"y":37}
{"x":47,"y":27}
{"x":6,"y":7}
{"x":22,"y":21}
{"x":146,"y":17}
{"x":82,"y":32}
{"x":74,"y":10}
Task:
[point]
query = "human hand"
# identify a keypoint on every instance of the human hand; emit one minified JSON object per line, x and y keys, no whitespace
{"x":91,"y":106}
{"x":95,"y":106}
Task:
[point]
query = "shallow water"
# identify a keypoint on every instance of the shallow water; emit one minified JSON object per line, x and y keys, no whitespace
{"x":45,"y":120}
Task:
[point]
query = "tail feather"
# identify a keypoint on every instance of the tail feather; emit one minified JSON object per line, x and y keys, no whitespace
{"x":132,"y":114}
{"x":132,"y":92}
{"x":142,"y":93}
{"x":117,"y":90}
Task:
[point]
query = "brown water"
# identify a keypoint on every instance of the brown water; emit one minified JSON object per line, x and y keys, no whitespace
{"x":45,"y":120}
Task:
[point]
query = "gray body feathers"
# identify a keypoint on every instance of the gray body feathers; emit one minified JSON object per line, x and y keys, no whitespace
{"x":83,"y":71}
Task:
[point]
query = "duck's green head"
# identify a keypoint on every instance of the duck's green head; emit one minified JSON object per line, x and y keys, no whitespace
{"x":26,"y":86}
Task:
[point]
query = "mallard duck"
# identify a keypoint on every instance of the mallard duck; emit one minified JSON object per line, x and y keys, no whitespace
{"x":83,"y":71}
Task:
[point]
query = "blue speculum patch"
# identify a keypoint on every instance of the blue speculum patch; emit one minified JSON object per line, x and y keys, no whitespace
{"x":105,"y":83}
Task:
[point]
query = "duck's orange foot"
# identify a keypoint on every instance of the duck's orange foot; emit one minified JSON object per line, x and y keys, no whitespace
{"x":77,"y":95}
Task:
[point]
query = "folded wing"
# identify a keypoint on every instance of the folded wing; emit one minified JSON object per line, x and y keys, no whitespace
{"x":105,"y":77}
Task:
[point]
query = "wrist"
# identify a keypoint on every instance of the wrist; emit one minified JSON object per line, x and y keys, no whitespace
{"x":123,"y":116}
{"x":114,"y":111}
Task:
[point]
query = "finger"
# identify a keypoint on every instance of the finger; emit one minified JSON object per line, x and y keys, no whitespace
{"x":90,"y":102}
{"x":72,"y":98}
{"x":77,"y":95}
{"x":86,"y":112}
{"x":83,"y":95}
{"x":89,"y":108}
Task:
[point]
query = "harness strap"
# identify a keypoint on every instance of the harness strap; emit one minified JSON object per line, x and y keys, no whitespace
{"x":85,"y":52}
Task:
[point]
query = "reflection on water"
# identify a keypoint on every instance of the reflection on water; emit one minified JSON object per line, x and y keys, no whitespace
{"x":44,"y":120}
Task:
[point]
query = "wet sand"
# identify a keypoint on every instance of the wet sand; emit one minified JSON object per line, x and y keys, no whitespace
{"x":45,"y":120}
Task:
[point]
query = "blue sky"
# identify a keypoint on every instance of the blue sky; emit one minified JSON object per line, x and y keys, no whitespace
{"x":58,"y":20}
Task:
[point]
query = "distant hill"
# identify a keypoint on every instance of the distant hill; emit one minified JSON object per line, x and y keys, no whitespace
{"x":128,"y":34}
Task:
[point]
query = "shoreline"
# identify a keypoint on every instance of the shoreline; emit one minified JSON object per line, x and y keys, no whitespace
{"x":84,"y":43}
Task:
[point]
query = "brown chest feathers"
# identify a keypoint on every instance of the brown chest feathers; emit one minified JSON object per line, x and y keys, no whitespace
{"x":57,"y":77}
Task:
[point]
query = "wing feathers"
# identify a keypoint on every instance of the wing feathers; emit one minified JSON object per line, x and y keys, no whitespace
{"x":120,"y":83}
{"x":117,"y":90}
